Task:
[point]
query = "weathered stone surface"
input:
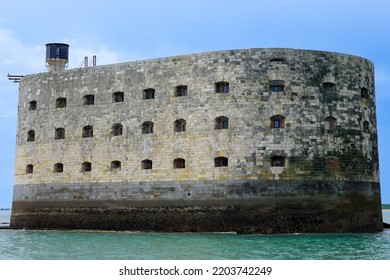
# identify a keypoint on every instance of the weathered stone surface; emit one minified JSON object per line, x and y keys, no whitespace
{"x":301,"y":157}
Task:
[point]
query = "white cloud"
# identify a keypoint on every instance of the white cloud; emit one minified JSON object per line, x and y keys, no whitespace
{"x":15,"y":55}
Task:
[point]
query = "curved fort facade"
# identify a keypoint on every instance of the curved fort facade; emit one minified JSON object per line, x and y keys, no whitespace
{"x":254,"y":140}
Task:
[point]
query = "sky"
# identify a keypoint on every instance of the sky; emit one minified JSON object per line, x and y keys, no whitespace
{"x":124,"y":30}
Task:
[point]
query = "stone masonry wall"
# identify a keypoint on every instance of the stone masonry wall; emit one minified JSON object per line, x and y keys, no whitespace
{"x":323,"y":104}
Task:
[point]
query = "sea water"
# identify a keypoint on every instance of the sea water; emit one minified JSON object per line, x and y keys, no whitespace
{"x":108,"y":245}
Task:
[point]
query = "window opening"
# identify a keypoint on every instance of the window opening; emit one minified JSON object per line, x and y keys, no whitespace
{"x":147,"y":127}
{"x":146,"y":164}
{"x":364,"y":92}
{"x":32,"y":105}
{"x":329,"y":88}
{"x":148,"y":93}
{"x":59,"y":133}
{"x":30,"y":136}
{"x":115,"y":165}
{"x":89,"y":99}
{"x":29,"y":169}
{"x":276,"y":85}
{"x":276,"y":60}
{"x":116,"y":129}
{"x":181,"y":90}
{"x":118,"y":96}
{"x":220,"y":162}
{"x":87,"y":131}
{"x":222,"y":87}
{"x":179,"y":163}
{"x":86,"y":167}
{"x":221,"y":122}
{"x":61,"y":102}
{"x":278,"y":161}
{"x":58,"y":167}
{"x":180,"y":125}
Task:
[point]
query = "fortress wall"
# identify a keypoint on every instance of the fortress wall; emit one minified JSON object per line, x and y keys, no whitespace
{"x":313,"y":155}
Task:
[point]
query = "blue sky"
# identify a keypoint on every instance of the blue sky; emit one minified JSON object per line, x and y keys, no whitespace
{"x":124,"y":30}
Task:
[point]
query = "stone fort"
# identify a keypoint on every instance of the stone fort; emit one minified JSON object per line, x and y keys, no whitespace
{"x":254,"y":140}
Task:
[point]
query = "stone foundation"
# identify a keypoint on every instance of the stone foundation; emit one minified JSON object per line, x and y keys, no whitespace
{"x":244,"y":207}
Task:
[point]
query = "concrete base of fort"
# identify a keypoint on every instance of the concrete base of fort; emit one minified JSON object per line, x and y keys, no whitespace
{"x":201,"y":206}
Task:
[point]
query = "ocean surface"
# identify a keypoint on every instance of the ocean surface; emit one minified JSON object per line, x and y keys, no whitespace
{"x":104,"y":245}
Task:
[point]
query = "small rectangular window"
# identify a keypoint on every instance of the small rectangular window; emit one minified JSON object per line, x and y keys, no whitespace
{"x":32,"y":105}
{"x":29,"y":169}
{"x":31,"y":136}
{"x":221,"y":162}
{"x":115,"y":165}
{"x":148,"y":93}
{"x":89,"y":99}
{"x":86,"y":167}
{"x":118,"y":97}
{"x":181,"y":91}
{"x":58,"y":168}
{"x":59,"y":133}
{"x":276,"y":86}
{"x":222,"y":87}
{"x":221,"y":122}
{"x":60,"y":102}
{"x":329,"y":88}
{"x":278,"y":161}
{"x":364,"y":92}
{"x":179,"y":163}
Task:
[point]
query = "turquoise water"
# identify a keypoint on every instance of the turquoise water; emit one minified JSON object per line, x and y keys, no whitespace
{"x":91,"y":245}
